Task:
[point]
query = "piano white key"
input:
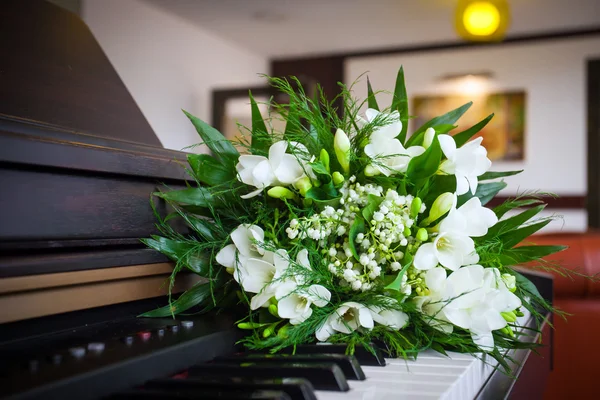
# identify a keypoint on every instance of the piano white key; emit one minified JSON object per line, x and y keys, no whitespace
{"x":431,"y":376}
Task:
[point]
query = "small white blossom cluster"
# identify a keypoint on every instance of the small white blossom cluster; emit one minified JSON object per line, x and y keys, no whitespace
{"x":379,"y":249}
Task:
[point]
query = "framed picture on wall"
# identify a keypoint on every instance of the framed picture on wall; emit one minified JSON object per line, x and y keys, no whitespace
{"x":503,"y":136}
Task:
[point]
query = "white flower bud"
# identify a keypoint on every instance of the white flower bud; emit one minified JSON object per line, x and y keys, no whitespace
{"x":341,"y":145}
{"x":510,"y":281}
{"x":428,"y":138}
{"x":444,"y":203}
{"x":356,"y":285}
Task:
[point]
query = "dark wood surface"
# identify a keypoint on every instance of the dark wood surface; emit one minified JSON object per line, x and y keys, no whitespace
{"x":52,"y":70}
{"x":593,"y":146}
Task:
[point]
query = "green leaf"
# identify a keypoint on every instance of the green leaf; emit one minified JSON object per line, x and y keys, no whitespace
{"x":513,"y":222}
{"x":203,"y":227}
{"x":397,"y":283}
{"x":222,"y":148}
{"x":199,"y":196}
{"x":526,"y":285}
{"x":321,"y":171}
{"x":184,"y":252}
{"x":449,"y":118}
{"x":400,"y":103}
{"x":209,"y":171}
{"x":515,"y":236}
{"x":371,"y":207}
{"x":261,"y":140}
{"x":293,"y":125}
{"x":443,"y":128}
{"x":495,"y":175}
{"x":358,"y":226}
{"x":524,"y":254}
{"x":427,"y":164}
{"x":485,"y":192}
{"x":512,"y":204}
{"x":371,"y":101}
{"x":198,"y":294}
{"x":464,"y":136}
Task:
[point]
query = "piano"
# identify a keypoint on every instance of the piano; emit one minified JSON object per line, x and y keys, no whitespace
{"x":78,"y":161}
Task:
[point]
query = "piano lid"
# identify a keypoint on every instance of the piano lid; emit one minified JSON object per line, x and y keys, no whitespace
{"x":54,"y":72}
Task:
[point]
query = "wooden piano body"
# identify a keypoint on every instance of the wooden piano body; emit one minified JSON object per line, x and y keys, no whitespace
{"x":78,"y":162}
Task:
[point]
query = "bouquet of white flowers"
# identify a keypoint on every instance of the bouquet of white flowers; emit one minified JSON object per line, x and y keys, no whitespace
{"x":344,"y":229}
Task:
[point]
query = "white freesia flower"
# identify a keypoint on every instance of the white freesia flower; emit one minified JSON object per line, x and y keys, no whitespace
{"x":477,"y":297}
{"x":450,"y":249}
{"x":261,"y":172}
{"x":263,"y":278}
{"x":391,"y":318}
{"x":432,"y":305}
{"x":247,"y":243}
{"x":349,"y":317}
{"x":471,"y":219}
{"x":389,"y":154}
{"x":296,"y":306}
{"x":466,"y":163}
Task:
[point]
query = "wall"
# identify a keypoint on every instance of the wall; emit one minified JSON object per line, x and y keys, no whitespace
{"x":553,"y":75}
{"x":168,"y":64}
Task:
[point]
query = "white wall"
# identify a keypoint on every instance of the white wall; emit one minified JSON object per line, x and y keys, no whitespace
{"x":553,"y":76}
{"x":169,"y":64}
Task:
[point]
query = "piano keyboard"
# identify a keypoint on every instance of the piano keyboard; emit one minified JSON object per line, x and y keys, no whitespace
{"x":320,"y":375}
{"x":315,"y":372}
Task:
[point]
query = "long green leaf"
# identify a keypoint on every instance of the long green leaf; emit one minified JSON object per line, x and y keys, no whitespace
{"x":222,"y":148}
{"x":524,"y":254}
{"x":194,"y":296}
{"x":371,"y":100}
{"x":449,"y":118}
{"x":199,"y":196}
{"x":485,"y":192}
{"x":526,"y":285}
{"x":293,"y":125}
{"x":464,"y":136}
{"x":516,"y":236}
{"x":183,"y":252}
{"x":495,"y":175}
{"x":209,"y":171}
{"x":357,"y":227}
{"x":261,"y":139}
{"x":513,"y":222}
{"x":427,"y":164}
{"x":396,"y":284}
{"x":400,"y":103}
{"x":515,"y":203}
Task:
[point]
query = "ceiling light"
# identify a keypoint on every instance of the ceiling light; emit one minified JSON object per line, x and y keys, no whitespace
{"x":482,"y":20}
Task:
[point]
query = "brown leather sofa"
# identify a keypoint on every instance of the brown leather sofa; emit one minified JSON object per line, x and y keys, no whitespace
{"x":576,"y":339}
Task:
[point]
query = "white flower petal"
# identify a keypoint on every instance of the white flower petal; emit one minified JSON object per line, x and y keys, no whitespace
{"x":287,"y":307}
{"x":276,"y":152}
{"x":364,"y":317}
{"x":326,"y":330}
{"x":256,"y":274}
{"x":261,"y":299}
{"x":226,"y":257}
{"x":371,"y":114}
{"x":435,"y":279}
{"x":318,"y":295}
{"x":302,"y":258}
{"x":249,"y":161}
{"x":263,"y":175}
{"x":425,"y":258}
{"x":447,"y":144}
{"x":462,"y":184}
{"x":254,"y":193}
{"x":484,"y":340}
{"x":289,"y":170}
{"x":459,"y":317}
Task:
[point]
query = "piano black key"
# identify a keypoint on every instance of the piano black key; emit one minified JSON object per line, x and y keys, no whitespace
{"x":325,"y":376}
{"x":362,"y":354}
{"x":296,"y":388}
{"x":143,"y":394}
{"x":348,"y":364}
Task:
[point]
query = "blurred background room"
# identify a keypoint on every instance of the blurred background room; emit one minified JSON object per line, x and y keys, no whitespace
{"x":534,"y":63}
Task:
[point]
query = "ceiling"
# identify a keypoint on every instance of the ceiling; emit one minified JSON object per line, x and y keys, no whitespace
{"x":288,"y":28}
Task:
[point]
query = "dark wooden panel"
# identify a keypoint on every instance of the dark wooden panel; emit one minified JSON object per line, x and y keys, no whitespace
{"x":593,"y":138}
{"x":57,"y":206}
{"x":72,"y":260}
{"x":54,"y":71}
{"x":110,"y":157}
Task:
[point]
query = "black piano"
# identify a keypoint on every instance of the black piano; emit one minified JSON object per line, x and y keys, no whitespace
{"x":78,"y":162}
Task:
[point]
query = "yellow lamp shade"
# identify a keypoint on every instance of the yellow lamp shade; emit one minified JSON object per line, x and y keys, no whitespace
{"x":482,"y":20}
